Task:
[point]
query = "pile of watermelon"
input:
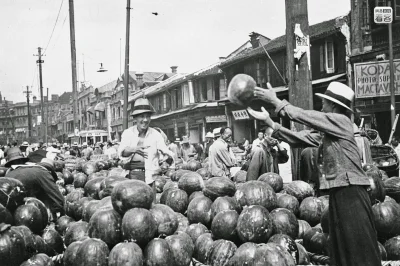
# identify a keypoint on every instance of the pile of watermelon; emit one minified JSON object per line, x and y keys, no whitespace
{"x":112,"y":220}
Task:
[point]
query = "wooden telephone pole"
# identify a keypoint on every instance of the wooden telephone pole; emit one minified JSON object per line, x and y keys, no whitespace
{"x":73,"y":63}
{"x":126,"y":74}
{"x":298,"y":70}
{"x":28,"y":92}
{"x":40,"y":62}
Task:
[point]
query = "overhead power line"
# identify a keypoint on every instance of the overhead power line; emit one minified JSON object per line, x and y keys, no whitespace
{"x":54,"y":27}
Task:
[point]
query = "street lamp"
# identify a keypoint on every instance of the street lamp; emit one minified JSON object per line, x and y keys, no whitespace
{"x":102,"y":69}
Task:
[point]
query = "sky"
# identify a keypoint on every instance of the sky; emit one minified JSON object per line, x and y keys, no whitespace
{"x":190,"y":34}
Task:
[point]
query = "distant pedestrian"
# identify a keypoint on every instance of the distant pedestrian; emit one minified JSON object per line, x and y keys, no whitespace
{"x":220,"y":159}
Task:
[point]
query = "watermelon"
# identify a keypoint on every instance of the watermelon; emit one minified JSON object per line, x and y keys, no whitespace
{"x":182,"y":247}
{"x":196,"y":230}
{"x":289,"y":202}
{"x":194,"y":195}
{"x":131,"y":194}
{"x":240,"y":177}
{"x":272,"y":254}
{"x":106,"y":225}
{"x":244,"y":255}
{"x":218,"y":187}
{"x":191,"y":182}
{"x":192,"y":165}
{"x":76,"y":231}
{"x":30,"y":216}
{"x":287,"y":243}
{"x":183,"y":222}
{"x":221,"y":252}
{"x":12,"y":193}
{"x":40,"y":205}
{"x":166,"y":220}
{"x":311,"y":210}
{"x":392,"y":186}
{"x":159,"y":183}
{"x":224,"y":225}
{"x":202,"y":247}
{"x":53,"y":241}
{"x":70,"y":253}
{"x":224,"y":204}
{"x":92,"y":187}
{"x":283,"y":221}
{"x":253,"y":224}
{"x":138,"y":225}
{"x":92,"y":252}
{"x":205,"y":173}
{"x":62,"y":224}
{"x":304,"y":259}
{"x":80,"y":180}
{"x":386,"y":216}
{"x":299,"y":189}
{"x":175,"y":198}
{"x":158,"y":253}
{"x":199,"y":211}
{"x":89,"y":168}
{"x":272,"y":179}
{"x":256,"y":193}
{"x":127,"y":253}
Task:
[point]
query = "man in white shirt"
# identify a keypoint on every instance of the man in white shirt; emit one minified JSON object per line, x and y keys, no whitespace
{"x":141,"y":144}
{"x":258,"y":140}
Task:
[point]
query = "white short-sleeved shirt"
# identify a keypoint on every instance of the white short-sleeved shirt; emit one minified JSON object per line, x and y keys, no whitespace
{"x":153,"y":139}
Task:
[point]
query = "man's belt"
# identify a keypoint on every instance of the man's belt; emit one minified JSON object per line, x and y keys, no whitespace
{"x":138,"y":170}
{"x":134,"y":166}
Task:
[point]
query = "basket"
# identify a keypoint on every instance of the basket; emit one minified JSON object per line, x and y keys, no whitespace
{"x":385,"y":158}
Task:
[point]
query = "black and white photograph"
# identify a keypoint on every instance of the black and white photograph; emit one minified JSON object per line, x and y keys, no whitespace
{"x":199,"y":132}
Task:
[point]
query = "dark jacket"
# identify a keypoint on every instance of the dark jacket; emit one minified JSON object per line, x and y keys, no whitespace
{"x":264,"y":160}
{"x":39,"y":183}
{"x":339,"y":161}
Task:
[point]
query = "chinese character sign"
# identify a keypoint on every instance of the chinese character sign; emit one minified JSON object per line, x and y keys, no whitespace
{"x":240,"y":115}
{"x":383,"y":15}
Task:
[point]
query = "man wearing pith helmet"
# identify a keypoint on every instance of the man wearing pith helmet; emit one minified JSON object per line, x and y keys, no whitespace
{"x":351,"y":224}
{"x":140,"y":145}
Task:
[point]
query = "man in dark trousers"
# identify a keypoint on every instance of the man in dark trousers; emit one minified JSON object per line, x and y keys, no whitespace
{"x":265,"y":158}
{"x":352,"y":232}
{"x":37,"y":179}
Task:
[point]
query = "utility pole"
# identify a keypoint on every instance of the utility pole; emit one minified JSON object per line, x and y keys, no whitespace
{"x":8,"y":111}
{"x":73,"y":63}
{"x":298,"y":70}
{"x":126,"y":75}
{"x":28,"y":92}
{"x":392,"y":89}
{"x":40,"y":62}
{"x":47,"y":114}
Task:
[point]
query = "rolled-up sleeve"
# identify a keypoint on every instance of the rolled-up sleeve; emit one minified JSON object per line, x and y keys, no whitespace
{"x":304,"y":138}
{"x":124,"y":143}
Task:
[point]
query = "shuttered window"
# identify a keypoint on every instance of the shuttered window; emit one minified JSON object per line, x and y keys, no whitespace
{"x":186,"y":94}
{"x":322,"y":58}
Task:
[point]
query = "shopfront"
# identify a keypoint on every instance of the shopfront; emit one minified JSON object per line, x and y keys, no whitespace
{"x":93,"y":136}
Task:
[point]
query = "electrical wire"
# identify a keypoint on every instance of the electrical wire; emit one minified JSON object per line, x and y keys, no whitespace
{"x":58,"y":37}
{"x":54,"y":27}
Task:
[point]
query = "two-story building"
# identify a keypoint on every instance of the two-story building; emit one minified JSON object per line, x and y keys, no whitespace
{"x":369,"y":58}
{"x":138,"y":81}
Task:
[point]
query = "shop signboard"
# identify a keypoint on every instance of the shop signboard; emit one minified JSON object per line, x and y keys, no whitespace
{"x":372,"y":79}
{"x":240,"y":115}
{"x":383,"y":14}
{"x":216,"y":119}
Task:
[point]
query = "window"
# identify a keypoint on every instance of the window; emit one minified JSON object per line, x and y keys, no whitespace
{"x":267,"y":71}
{"x":329,"y":56}
{"x":322,"y":58}
{"x":396,"y":9}
{"x":165,"y":101}
{"x":203,"y":86}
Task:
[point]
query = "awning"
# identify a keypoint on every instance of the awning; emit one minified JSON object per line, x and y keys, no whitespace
{"x":189,"y":108}
{"x":90,"y":109}
{"x":100,"y":107}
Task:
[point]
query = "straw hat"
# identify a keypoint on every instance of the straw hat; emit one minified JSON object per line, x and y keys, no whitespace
{"x":75,"y":144}
{"x":209,"y":135}
{"x":25,"y":143}
{"x":142,"y":106}
{"x":217,"y":132}
{"x":185,"y":139}
{"x":339,"y":93}
{"x":13,"y":154}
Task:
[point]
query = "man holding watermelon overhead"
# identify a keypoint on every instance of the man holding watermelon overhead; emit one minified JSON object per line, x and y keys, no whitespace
{"x":351,"y":224}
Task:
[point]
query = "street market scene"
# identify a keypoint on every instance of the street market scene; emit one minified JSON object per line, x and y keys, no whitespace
{"x":200,"y":133}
